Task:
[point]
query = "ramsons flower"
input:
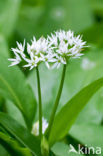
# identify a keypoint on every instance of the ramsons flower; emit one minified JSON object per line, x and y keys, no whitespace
{"x":57,"y":49}
{"x":65,"y":45}
{"x":17,"y":52}
{"x":35,"y":129}
{"x":15,"y":60}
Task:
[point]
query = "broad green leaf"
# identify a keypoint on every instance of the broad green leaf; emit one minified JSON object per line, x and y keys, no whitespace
{"x":69,"y":112}
{"x":80,"y":73}
{"x":14,"y":112}
{"x":13,"y":85}
{"x":20,"y":133}
{"x":12,"y":146}
{"x":8,"y":16}
{"x":61,"y":149}
{"x":3,"y":152}
{"x":88,"y":134}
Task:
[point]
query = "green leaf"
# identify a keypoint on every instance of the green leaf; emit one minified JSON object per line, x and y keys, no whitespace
{"x":88,"y":134}
{"x":14,"y":112}
{"x":20,"y":133}
{"x":69,"y":112}
{"x":8,"y":16}
{"x":12,"y":146}
{"x":13,"y":85}
{"x":3,"y":151}
{"x":81,"y":73}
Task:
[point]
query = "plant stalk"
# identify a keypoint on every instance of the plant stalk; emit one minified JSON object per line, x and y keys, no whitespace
{"x":40,"y":103}
{"x":56,"y":102}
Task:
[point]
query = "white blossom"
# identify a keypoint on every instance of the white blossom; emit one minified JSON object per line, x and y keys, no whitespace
{"x":15,"y":60}
{"x":66,"y":45}
{"x":57,"y":49}
{"x":32,"y":62}
{"x":39,"y":46}
{"x":58,"y":62}
{"x":19,"y":50}
{"x":49,"y":58}
{"x":35,"y":129}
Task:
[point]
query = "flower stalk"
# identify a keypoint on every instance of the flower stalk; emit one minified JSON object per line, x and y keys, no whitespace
{"x":40,"y":103}
{"x":56,"y":102}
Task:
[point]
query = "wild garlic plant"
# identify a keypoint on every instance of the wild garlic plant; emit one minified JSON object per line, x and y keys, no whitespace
{"x":55,"y":50}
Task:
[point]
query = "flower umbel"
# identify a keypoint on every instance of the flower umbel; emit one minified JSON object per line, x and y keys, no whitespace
{"x":65,"y":45}
{"x":53,"y":51}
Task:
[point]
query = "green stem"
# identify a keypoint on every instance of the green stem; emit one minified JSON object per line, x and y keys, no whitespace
{"x":56,"y":102}
{"x":40,"y":103}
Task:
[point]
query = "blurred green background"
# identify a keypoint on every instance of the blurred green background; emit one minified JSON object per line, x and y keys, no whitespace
{"x":21,"y":19}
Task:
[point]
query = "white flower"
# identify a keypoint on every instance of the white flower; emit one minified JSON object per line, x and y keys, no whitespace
{"x":39,"y":46}
{"x":52,"y":40}
{"x":35,"y":51}
{"x":49,"y":58}
{"x":15,"y":60}
{"x":62,"y":48}
{"x":19,"y":50}
{"x":65,"y":45}
{"x":35,"y":129}
{"x":38,"y":52}
{"x":59,"y":60}
{"x":32,"y":62}
{"x":57,"y":49}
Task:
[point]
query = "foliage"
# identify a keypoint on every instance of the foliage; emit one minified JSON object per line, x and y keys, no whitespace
{"x":78,"y":119}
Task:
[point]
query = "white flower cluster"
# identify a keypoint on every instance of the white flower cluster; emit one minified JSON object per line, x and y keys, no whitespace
{"x":35,"y":129}
{"x":54,"y":51}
